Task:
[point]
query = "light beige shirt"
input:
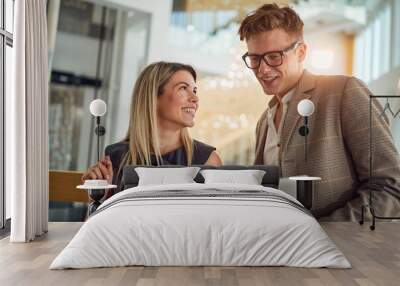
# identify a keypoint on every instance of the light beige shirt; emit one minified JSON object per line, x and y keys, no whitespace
{"x":272,"y":142}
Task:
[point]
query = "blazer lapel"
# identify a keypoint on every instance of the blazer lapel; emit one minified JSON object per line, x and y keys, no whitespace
{"x":306,"y":83}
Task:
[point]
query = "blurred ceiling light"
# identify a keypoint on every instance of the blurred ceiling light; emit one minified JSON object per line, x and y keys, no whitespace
{"x":239,"y":75}
{"x":243,"y":119}
{"x":190,"y":28}
{"x":322,"y":59}
{"x":233,"y":125}
{"x":216,"y":125}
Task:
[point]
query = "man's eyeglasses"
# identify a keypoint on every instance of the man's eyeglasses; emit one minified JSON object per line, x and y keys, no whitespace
{"x":273,"y":59}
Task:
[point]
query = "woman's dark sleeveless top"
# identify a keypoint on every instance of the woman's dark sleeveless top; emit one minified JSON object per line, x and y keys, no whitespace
{"x":201,"y":153}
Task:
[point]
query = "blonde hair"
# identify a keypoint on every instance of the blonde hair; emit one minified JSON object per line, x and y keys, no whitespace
{"x":142,"y":134}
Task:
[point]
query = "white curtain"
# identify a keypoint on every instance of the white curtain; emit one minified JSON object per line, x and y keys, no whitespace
{"x":27,"y":123}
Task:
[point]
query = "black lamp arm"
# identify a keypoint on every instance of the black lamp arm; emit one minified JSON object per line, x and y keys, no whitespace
{"x":100,"y":131}
{"x":304,"y":132}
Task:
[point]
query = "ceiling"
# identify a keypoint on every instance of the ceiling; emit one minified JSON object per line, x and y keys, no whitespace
{"x":319,"y":15}
{"x":202,"y":5}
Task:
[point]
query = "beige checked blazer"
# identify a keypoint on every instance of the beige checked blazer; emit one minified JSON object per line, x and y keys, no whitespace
{"x":338,"y":147}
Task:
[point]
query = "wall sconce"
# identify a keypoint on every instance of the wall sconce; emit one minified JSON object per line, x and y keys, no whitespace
{"x":97,"y":188}
{"x":98,"y":108}
{"x":305,"y":108}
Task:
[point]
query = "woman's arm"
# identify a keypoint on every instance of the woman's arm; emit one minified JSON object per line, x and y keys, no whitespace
{"x":214,"y":160}
{"x":102,"y":170}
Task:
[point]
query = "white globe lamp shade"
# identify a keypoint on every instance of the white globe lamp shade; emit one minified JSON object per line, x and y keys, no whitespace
{"x":305,"y":107}
{"x":98,"y":107}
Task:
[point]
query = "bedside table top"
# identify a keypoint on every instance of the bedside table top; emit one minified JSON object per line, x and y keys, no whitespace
{"x":96,"y":187}
{"x":304,"y":178}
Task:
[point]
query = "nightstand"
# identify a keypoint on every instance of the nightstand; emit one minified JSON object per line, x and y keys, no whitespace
{"x":96,"y":190}
{"x":304,"y":189}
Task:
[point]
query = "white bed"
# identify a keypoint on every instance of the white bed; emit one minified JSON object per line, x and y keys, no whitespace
{"x":201,"y":224}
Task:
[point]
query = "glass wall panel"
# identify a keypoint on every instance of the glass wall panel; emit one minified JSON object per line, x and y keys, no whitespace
{"x":1,"y":14}
{"x":2,"y":194}
{"x":386,"y":32}
{"x":9,"y":15}
{"x":368,"y":54}
{"x":396,"y":34}
{"x":8,"y":89}
{"x":99,"y":50}
{"x":376,"y":48}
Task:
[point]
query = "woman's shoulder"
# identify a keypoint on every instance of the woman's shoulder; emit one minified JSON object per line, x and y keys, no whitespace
{"x":116,"y":148}
{"x":201,"y":152}
{"x":201,"y":145}
{"x":116,"y":152}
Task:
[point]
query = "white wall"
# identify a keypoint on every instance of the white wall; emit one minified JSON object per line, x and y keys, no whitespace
{"x":396,"y":31}
{"x":208,"y":55}
{"x":160,"y":11}
{"x":377,"y":46}
{"x":76,"y":53}
{"x":377,"y":57}
{"x":142,"y":38}
{"x":389,"y":84}
{"x":201,"y":61}
{"x":134,"y":59}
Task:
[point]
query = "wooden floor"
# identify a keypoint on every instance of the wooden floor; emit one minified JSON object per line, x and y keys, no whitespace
{"x":375,"y":257}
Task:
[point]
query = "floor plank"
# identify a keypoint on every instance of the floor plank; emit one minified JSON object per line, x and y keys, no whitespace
{"x":374,"y":255}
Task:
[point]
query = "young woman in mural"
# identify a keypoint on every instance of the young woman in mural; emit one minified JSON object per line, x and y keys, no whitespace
{"x":163,"y":107}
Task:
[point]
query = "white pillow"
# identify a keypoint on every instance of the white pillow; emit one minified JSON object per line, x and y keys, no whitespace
{"x":248,"y":177}
{"x":163,"y":176}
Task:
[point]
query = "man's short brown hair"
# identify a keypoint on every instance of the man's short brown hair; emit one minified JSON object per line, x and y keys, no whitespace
{"x":269,"y":17}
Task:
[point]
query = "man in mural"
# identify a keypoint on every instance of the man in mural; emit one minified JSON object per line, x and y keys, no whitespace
{"x":338,"y":139}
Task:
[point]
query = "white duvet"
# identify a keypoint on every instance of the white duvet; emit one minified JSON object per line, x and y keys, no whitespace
{"x":184,"y":230}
